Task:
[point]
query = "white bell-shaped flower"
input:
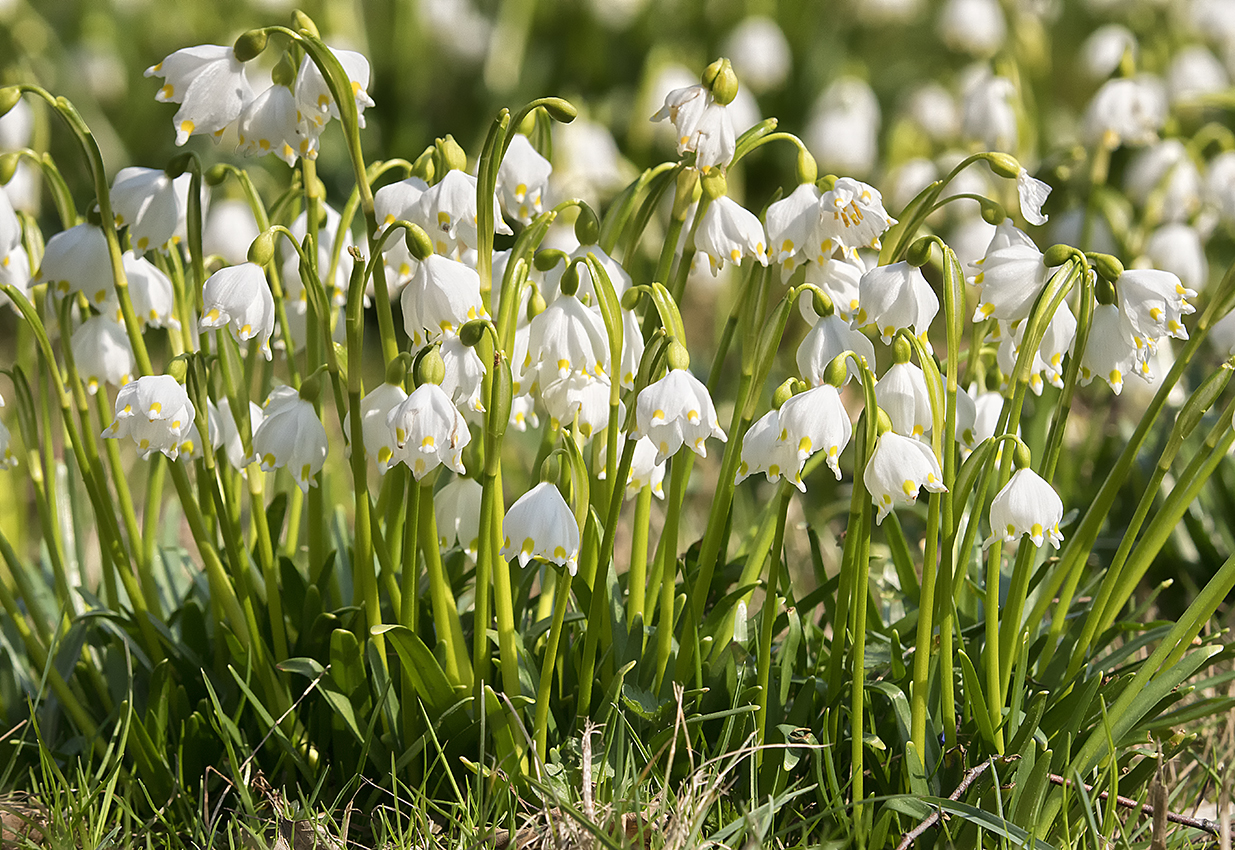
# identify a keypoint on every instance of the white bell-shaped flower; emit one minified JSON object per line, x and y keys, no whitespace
{"x":1177,"y":247}
{"x":465,"y":373}
{"x":150,"y":203}
{"x":580,"y":395}
{"x":447,"y":212}
{"x":898,"y":468}
{"x":830,"y":337}
{"x":1027,"y":504}
{"x":379,"y":438}
{"x":76,"y":260}
{"x":209,"y":83}
{"x":443,"y":294}
{"x":851,"y":216}
{"x":903,"y":395}
{"x":1165,"y":175}
{"x":1154,"y":303}
{"x":976,"y":27}
{"x":102,"y":353}
{"x":840,"y":279}
{"x":897,"y":296}
{"x":7,"y":459}
{"x":228,"y":436}
{"x":239,"y":295}
{"x":566,"y":337}
{"x":676,"y":410}
{"x":703,"y":126}
{"x":272,"y":123}
{"x":814,"y":421}
{"x":429,"y":431}
{"x":791,"y":221}
{"x":313,"y":95}
{"x":523,"y":180}
{"x":540,"y":525}
{"x":456,"y":507}
{"x":764,"y":451}
{"x":15,"y":271}
{"x":1110,"y":353}
{"x":760,"y":52}
{"x":728,"y":233}
{"x":644,"y":469}
{"x":229,"y":230}
{"x":156,"y":412}
{"x":291,"y":435}
{"x":843,"y":128}
{"x":988,"y":112}
{"x":154,"y":299}
{"x":1011,"y":278}
{"x":1009,"y":352}
{"x":1127,"y":111}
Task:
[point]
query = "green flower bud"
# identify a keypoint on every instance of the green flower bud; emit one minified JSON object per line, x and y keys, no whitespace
{"x":720,"y":78}
{"x":677,"y":356}
{"x":450,"y":155}
{"x":284,"y":72}
{"x":783,"y":393}
{"x":550,"y":468}
{"x":301,"y":22}
{"x":807,"y":169}
{"x":178,"y":165}
{"x":1021,"y":456}
{"x":685,"y":192}
{"x":424,"y":167}
{"x":1057,"y":255}
{"x":1104,"y":291}
{"x":826,"y":183}
{"x":560,"y":109}
{"x":261,"y":251}
{"x":587,"y":226}
{"x":714,"y":184}
{"x":501,"y":396}
{"x":311,"y":387}
{"x":178,"y":368}
{"x":630,"y":299}
{"x":535,"y":304}
{"x":547,"y":258}
{"x":822,"y":303}
{"x":396,"y":369}
{"x":570,"y":279}
{"x":919,"y":253}
{"x":1003,"y":164}
{"x":417,"y":241}
{"x":9,"y":95}
{"x":472,"y":332}
{"x":8,"y":167}
{"x":837,"y":371}
{"x":992,"y":213}
{"x":883,"y":424}
{"x":901,"y":350}
{"x":215,"y":175}
{"x":250,"y":44}
{"x":430,"y":368}
{"x":1107,"y":267}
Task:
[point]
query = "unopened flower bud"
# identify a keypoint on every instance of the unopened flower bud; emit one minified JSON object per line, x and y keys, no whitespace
{"x":8,"y":167}
{"x":284,"y":72}
{"x":301,"y":22}
{"x":9,"y":95}
{"x":1003,"y":164}
{"x":1104,"y":291}
{"x":807,"y":170}
{"x":178,"y":165}
{"x":630,"y":299}
{"x":714,"y":184}
{"x":901,"y":350}
{"x":535,"y":304}
{"x":417,"y":241}
{"x":685,"y":192}
{"x":550,"y":468}
{"x":883,"y":423}
{"x":250,"y":45}
{"x":178,"y":368}
{"x":215,"y":175}
{"x":430,"y":368}
{"x":783,"y":393}
{"x":311,"y":387}
{"x":826,"y":183}
{"x":261,"y":251}
{"x":1107,"y":267}
{"x":992,"y":213}
{"x":919,"y":253}
{"x":1057,"y":255}
{"x":560,"y":109}
{"x":569,"y":284}
{"x":677,"y":356}
{"x":1021,"y":456}
{"x":547,"y":258}
{"x":837,"y":371}
{"x":587,"y":226}
{"x":470,"y":333}
{"x":424,"y":167}
{"x":822,"y":303}
{"x":720,"y":78}
{"x":501,"y":397}
{"x":451,"y":156}
{"x":396,"y":370}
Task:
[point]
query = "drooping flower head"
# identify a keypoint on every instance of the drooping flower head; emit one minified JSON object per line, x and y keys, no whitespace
{"x":239,"y":296}
{"x":898,"y":468}
{"x":541,"y":525}
{"x":209,"y":83}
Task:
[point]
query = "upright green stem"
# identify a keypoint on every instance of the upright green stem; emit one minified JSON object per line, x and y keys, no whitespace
{"x":768,"y":618}
{"x":561,"y":598}
{"x":667,"y":555}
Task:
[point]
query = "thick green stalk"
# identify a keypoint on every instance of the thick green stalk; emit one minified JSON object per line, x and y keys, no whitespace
{"x":445,"y":614}
{"x":636,"y":574}
{"x":768,"y":617}
{"x":667,"y":554}
{"x":561,"y":598}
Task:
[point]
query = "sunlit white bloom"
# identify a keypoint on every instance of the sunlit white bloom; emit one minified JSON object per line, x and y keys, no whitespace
{"x":1193,"y":73}
{"x":791,"y":221}
{"x":76,"y":260}
{"x":291,"y":435}
{"x":976,"y":27}
{"x":523,"y":180}
{"x":154,"y":299}
{"x":1009,"y":353}
{"x":456,"y":509}
{"x":645,"y":471}
{"x":1178,"y":248}
{"x":839,"y":277}
{"x":618,"y":276}
{"x":15,"y":271}
{"x":228,"y":436}
{"x":240,"y":296}
{"x":764,"y":451}
{"x":843,"y":129}
{"x":313,"y":95}
{"x":379,"y":438}
{"x":1027,"y":504}
{"x":523,"y":412}
{"x":209,"y":83}
{"x":827,"y":339}
{"x":898,"y":468}
{"x":465,"y":373}
{"x":703,"y":126}
{"x":442,"y":295}
{"x":676,"y":410}
{"x":729,"y":232}
{"x":897,"y":296}
{"x":1104,"y":49}
{"x":760,"y":53}
{"x":988,"y":113}
{"x":1110,"y":353}
{"x":1154,"y":303}
{"x":395,"y":201}
{"x":851,"y":215}
{"x":229,"y":230}
{"x":1011,"y":278}
{"x":429,"y":431}
{"x":1164,"y":175}
{"x":814,"y":421}
{"x":566,"y":337}
{"x":540,"y":525}
{"x":447,"y":212}
{"x":156,"y":412}
{"x":1126,"y":111}
{"x":577,"y":395}
{"x":901,"y":392}
{"x":271,"y":123}
{"x":1032,"y":194}
{"x":150,"y":203}
{"x":103,"y":354}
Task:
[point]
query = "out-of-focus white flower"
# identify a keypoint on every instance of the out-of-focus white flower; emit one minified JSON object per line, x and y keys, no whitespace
{"x":976,"y":27}
{"x":228,"y":436}
{"x":209,"y":83}
{"x":969,"y":239}
{"x":934,"y":109}
{"x":429,"y":431}
{"x":442,"y":295}
{"x":644,"y":469}
{"x":16,"y":127}
{"x":843,"y":130}
{"x":273,"y":123}
{"x":851,"y":216}
{"x":523,"y":180}
{"x":676,"y":410}
{"x":229,"y":230}
{"x":1056,"y":342}
{"x":909,"y":179}
{"x":313,"y":95}
{"x":587,"y":163}
{"x":7,"y":459}
{"x":988,"y":114}
{"x":240,"y":296}
{"x":379,"y":438}
{"x":447,"y":212}
{"x":102,"y":353}
{"x":897,"y":296}
{"x":760,"y":53}
{"x":76,"y":260}
{"x":790,"y":223}
{"x":1067,"y":227}
{"x":814,"y":421}
{"x":540,"y":525}
{"x":729,"y":232}
{"x":1027,"y":504}
{"x":1104,"y":49}
{"x":1195,"y":72}
{"x":1165,"y":173}
{"x":156,"y":412}
{"x":150,"y":203}
{"x":456,"y":508}
{"x":15,"y":271}
{"x":291,"y":435}
{"x":901,"y":392}
{"x":828,"y":338}
{"x":1177,"y":248}
{"x":1126,"y":111}
{"x":898,"y":468}
{"x":154,"y":299}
